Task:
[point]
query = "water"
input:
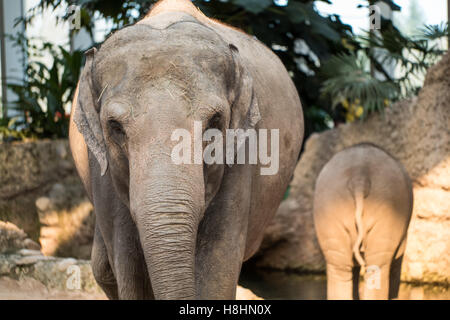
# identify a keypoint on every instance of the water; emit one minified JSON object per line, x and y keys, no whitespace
{"x":290,"y":286}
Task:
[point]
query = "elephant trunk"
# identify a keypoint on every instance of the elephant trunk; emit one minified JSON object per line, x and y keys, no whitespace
{"x":167,"y":203}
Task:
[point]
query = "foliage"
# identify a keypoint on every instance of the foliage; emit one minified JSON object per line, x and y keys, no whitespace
{"x":321,"y":53}
{"x":349,"y":78}
{"x":279,"y":27}
{"x":46,"y":91}
{"x":349,"y":82}
{"x":8,"y":131}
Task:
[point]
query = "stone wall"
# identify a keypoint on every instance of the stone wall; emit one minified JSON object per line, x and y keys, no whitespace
{"x":416,"y":132}
{"x":41,"y":193}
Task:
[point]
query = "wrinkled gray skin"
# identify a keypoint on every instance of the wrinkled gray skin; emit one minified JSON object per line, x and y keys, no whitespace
{"x":362,"y":192}
{"x":169,"y":231}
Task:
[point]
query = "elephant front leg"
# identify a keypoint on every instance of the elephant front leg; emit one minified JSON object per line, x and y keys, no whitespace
{"x":132,"y":276}
{"x":221,"y":241}
{"x":117,"y":259}
{"x":218,"y":261}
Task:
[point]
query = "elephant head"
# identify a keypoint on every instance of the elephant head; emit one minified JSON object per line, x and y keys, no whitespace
{"x":141,"y":85}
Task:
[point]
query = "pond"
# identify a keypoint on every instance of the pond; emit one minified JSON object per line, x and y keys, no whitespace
{"x":291,"y":286}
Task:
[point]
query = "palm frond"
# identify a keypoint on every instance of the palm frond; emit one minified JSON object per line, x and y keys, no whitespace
{"x":434,"y":31}
{"x":352,"y":81}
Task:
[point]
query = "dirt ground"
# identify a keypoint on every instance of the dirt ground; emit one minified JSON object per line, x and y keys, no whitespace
{"x":31,"y":289}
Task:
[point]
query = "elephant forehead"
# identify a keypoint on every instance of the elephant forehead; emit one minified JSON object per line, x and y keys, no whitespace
{"x":184,"y":44}
{"x":171,"y":56}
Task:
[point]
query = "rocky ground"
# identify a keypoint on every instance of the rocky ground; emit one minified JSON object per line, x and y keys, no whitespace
{"x":31,"y":289}
{"x":26,"y":273}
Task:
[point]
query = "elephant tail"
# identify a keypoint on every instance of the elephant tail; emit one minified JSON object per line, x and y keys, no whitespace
{"x":359,"y":199}
{"x":359,"y":186}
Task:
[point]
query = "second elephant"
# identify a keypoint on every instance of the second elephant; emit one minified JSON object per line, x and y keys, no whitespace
{"x":362,"y":208}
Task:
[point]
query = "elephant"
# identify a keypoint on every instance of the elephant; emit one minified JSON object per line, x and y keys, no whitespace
{"x":362,"y":208}
{"x":168,"y":230}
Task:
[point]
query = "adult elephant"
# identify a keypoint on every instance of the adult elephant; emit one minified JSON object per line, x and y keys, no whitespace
{"x":362,"y":207}
{"x":166,"y":230}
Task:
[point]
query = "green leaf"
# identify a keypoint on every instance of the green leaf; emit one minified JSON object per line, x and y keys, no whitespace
{"x":436,"y":31}
{"x":12,"y":121}
{"x":254,"y":6}
{"x":321,"y":26}
{"x":349,"y":79}
{"x":297,"y":12}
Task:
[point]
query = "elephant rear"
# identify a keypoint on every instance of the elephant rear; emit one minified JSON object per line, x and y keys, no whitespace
{"x":362,"y":208}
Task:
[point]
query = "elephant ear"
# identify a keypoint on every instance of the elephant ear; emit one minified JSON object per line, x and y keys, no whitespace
{"x":87,"y":117}
{"x":244,"y":110}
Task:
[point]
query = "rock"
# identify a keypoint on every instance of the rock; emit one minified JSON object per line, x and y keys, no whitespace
{"x":28,"y":260}
{"x":41,"y":275}
{"x":25,"y":284}
{"x":13,"y":239}
{"x":58,"y":193}
{"x":276,"y":250}
{"x":246,"y":294}
{"x":64,"y":274}
{"x":28,"y":252}
{"x":27,"y":288}
{"x":54,"y":273}
{"x":67,"y":231}
{"x":47,"y":218}
{"x":416,"y":132}
{"x":30,"y":244}
{"x":41,"y":193}
{"x":65,"y":263}
{"x":27,"y":172}
{"x":43,"y":203}
{"x":6,"y":266}
{"x":61,"y":149}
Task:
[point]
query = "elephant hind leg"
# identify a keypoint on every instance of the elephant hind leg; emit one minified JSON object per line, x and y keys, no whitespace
{"x":376,"y":280}
{"x":383,"y":255}
{"x":356,"y":270}
{"x":340,"y":285}
{"x":394,"y":279}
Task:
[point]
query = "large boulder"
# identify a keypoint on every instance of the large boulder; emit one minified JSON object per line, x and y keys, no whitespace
{"x":416,"y":132}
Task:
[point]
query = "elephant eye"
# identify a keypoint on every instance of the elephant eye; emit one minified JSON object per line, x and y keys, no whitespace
{"x":116,"y":128}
